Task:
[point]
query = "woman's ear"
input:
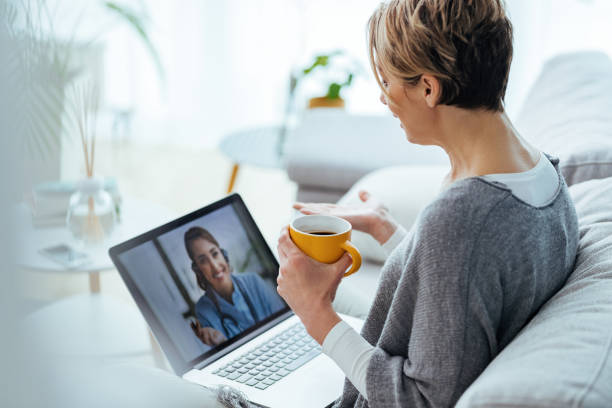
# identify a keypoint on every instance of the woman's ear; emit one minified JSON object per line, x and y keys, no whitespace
{"x":431,"y":89}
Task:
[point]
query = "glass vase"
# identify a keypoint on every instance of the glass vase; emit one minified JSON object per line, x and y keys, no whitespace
{"x":91,"y":213}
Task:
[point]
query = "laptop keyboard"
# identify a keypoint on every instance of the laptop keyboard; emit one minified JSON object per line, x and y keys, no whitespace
{"x":270,"y":362}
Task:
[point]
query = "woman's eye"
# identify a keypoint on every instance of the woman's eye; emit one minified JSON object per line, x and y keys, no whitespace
{"x":385,"y":83}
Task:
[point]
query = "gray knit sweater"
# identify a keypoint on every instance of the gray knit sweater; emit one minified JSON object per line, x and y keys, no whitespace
{"x":477,"y":265}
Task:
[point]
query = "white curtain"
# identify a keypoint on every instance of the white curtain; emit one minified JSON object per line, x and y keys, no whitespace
{"x":227,"y":63}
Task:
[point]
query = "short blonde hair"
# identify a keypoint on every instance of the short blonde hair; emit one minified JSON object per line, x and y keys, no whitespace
{"x":465,"y":44}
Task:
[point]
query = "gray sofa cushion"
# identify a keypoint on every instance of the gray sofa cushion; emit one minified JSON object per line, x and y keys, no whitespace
{"x":568,"y":113}
{"x":563,"y":357}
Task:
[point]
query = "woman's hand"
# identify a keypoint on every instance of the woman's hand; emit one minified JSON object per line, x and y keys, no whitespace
{"x":371,"y":217}
{"x":208,"y":335}
{"x":308,"y":286}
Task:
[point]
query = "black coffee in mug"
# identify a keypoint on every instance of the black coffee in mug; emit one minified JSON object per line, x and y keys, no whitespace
{"x":325,"y":238}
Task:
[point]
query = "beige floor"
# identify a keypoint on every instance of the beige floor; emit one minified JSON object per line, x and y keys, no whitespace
{"x":182,"y":180}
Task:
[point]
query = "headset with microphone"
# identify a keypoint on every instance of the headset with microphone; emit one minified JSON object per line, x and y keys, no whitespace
{"x":203,"y":283}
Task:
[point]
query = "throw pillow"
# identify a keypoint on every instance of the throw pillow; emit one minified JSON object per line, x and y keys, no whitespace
{"x":568,"y":113}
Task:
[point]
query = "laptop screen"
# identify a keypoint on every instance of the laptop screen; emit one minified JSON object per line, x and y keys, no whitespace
{"x":203,"y":282}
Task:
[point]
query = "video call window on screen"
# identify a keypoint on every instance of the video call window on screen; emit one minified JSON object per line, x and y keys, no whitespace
{"x":206,"y":281}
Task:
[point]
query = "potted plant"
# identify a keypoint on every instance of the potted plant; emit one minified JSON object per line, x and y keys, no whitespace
{"x":342,"y":70}
{"x":46,"y":68}
{"x":47,"y":65}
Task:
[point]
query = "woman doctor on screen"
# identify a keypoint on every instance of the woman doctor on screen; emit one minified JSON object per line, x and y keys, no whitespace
{"x":231,"y":303}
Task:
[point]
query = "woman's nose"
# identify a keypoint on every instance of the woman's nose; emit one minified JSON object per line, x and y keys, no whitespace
{"x":383,"y":98}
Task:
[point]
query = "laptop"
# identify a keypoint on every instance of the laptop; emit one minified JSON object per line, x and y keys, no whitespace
{"x":206,"y":285}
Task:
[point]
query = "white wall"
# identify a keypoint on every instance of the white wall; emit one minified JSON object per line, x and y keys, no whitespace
{"x":227,"y":62}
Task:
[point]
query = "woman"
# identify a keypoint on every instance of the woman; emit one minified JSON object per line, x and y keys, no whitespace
{"x":231,"y":303}
{"x":497,"y":242}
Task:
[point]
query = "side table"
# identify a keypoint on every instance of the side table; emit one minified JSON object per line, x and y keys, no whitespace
{"x":258,"y":146}
{"x":137,"y":216}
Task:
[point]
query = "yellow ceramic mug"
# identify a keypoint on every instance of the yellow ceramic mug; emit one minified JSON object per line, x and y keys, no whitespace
{"x":325,"y":238}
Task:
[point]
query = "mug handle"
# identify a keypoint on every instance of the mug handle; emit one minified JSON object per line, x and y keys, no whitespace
{"x":355,"y":255}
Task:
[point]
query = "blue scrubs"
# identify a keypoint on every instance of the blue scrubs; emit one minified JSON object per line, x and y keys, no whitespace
{"x":265,"y":301}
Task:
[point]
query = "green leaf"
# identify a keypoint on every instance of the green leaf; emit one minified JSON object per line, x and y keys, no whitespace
{"x":325,"y":60}
{"x":349,"y":80}
{"x":334,"y":91}
{"x":320,"y":61}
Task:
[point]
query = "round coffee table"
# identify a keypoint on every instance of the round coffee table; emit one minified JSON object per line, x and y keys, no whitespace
{"x":137,"y":216}
{"x":260,"y":147}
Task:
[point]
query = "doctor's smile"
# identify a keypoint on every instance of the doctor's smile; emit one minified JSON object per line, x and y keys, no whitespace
{"x":211,"y":262}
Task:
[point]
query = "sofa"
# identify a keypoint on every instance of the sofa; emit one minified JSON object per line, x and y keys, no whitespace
{"x":563,"y":356}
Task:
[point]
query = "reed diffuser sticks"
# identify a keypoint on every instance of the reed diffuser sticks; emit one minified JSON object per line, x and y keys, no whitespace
{"x":86,"y":102}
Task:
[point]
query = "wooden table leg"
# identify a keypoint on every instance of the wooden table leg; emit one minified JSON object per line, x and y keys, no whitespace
{"x":232,"y":180}
{"x":94,"y":282}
